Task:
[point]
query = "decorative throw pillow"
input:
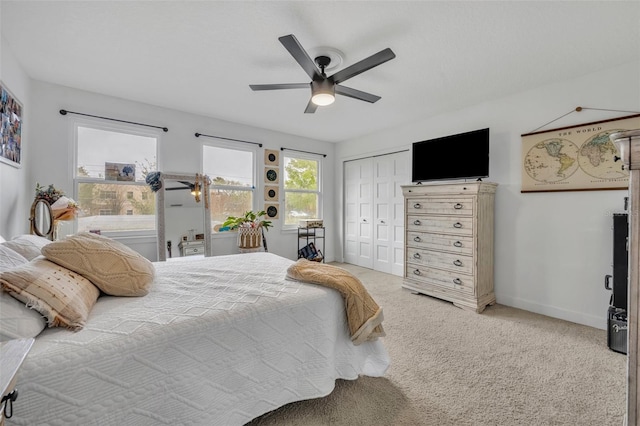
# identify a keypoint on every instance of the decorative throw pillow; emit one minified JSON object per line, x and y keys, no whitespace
{"x":113,"y":267}
{"x":27,"y":245}
{"x":10,"y":259}
{"x":17,"y":321}
{"x":64,"y":297}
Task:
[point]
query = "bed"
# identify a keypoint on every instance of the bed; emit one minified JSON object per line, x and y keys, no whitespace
{"x":217,"y":341}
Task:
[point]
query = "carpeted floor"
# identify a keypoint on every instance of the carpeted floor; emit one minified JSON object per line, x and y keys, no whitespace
{"x":453,"y":367}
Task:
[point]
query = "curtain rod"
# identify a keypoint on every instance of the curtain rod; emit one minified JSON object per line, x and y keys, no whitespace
{"x":307,"y":152}
{"x":378,"y":155}
{"x":228,"y":139}
{"x":65,"y":112}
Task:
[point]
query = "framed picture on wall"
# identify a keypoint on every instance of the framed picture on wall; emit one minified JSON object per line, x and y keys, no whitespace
{"x":575,"y":158}
{"x":11,"y":128}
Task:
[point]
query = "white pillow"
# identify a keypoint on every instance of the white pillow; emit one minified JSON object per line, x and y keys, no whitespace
{"x":27,"y":245}
{"x":10,"y":259}
{"x":17,"y":321}
{"x":2,"y":240}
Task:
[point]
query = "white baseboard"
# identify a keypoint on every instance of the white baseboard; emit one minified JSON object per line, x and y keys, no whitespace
{"x":555,"y":312}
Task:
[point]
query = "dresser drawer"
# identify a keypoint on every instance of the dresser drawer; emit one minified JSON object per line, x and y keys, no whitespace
{"x":419,"y":274}
{"x":434,"y":259}
{"x":191,"y":251}
{"x":452,"y":243}
{"x":462,"y":206}
{"x":443,"y":225}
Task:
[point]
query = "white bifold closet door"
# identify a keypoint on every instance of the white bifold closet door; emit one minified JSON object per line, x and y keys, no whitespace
{"x":374,"y":211}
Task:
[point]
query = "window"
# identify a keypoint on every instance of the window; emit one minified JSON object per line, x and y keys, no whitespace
{"x":302,"y":192}
{"x":233,"y":180}
{"x":110,"y":170}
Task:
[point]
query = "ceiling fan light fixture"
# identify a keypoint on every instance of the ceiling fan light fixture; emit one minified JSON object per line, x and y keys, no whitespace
{"x":323,"y":92}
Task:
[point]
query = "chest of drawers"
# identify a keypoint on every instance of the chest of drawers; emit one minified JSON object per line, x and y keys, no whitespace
{"x":449,"y":242}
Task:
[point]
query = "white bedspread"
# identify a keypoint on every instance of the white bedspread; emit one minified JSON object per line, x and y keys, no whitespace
{"x":218,"y":341}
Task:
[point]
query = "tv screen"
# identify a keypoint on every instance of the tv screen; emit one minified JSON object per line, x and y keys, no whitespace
{"x":461,"y":156}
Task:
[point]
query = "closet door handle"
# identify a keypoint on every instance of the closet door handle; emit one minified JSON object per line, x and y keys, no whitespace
{"x":457,"y":225}
{"x":417,"y":222}
{"x":417,"y":206}
{"x":457,"y":281}
{"x":417,"y":239}
{"x":416,"y":255}
{"x":457,"y":244}
{"x":457,"y":262}
{"x":458,"y":206}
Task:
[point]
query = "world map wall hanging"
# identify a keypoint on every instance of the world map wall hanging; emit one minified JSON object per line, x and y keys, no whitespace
{"x":577,"y":158}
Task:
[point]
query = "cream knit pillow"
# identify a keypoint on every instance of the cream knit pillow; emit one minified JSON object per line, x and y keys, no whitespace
{"x":113,"y":267}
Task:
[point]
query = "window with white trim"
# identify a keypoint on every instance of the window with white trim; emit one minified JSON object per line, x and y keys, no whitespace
{"x":232,"y":170}
{"x":302,"y":189}
{"x":111,"y":164}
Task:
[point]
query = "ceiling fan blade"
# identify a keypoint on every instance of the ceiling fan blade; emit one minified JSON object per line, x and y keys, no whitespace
{"x":279,"y":86}
{"x":177,"y":188}
{"x":311,"y":108}
{"x":356,"y":94}
{"x":290,"y":42}
{"x":366,"y":64}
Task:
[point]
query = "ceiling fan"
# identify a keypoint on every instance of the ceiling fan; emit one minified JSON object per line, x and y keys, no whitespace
{"x":323,"y":87}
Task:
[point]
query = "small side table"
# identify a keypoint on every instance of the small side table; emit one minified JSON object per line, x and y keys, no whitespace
{"x":191,"y":248}
{"x":12,"y":354}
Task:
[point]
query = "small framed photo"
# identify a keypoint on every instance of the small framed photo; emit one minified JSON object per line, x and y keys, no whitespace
{"x":120,"y":171}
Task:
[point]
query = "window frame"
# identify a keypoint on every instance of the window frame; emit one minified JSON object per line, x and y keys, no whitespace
{"x":318,"y":192}
{"x":77,"y":180}
{"x":219,"y":143}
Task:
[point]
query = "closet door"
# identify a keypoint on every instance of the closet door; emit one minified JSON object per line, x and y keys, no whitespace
{"x":358,"y":182}
{"x":390,"y":171}
{"x":374,"y":212}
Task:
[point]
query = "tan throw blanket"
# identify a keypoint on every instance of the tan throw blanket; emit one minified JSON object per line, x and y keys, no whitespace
{"x":363,"y":313}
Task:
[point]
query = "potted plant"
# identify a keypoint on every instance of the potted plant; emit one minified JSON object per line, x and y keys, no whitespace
{"x":249,"y":228}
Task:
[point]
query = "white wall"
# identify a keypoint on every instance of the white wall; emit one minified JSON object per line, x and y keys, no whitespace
{"x":179,"y":151}
{"x":15,"y":195}
{"x":552,"y":249}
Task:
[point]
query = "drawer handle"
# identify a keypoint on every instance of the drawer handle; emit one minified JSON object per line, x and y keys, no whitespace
{"x":457,"y":225}
{"x":457,"y":244}
{"x":417,"y":206}
{"x":417,"y":222}
{"x":417,"y":272}
{"x":458,"y":206}
{"x":457,"y":262}
{"x":457,"y":281}
{"x":416,"y":255}
{"x":417,"y":239}
{"x":8,"y":405}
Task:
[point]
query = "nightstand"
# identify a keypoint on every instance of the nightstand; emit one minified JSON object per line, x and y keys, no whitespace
{"x":191,"y":248}
{"x":12,"y":354}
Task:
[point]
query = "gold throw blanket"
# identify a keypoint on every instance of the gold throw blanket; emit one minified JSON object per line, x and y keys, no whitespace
{"x":363,"y":313}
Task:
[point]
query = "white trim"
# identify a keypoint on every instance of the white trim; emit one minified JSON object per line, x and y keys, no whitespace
{"x":123,"y":128}
{"x":305,"y":156}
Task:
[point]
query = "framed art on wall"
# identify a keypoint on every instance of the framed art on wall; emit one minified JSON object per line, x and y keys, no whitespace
{"x":11,"y":128}
{"x":576,"y":158}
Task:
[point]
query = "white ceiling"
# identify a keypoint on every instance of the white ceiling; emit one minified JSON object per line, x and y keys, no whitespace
{"x":201,"y":56}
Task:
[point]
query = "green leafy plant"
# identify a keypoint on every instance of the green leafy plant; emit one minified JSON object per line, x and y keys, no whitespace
{"x":249,"y":220}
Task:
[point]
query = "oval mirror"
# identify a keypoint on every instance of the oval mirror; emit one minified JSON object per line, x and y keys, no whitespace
{"x":41,"y":219}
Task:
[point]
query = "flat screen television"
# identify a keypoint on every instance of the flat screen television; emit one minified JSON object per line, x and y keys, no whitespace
{"x":461,"y":156}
